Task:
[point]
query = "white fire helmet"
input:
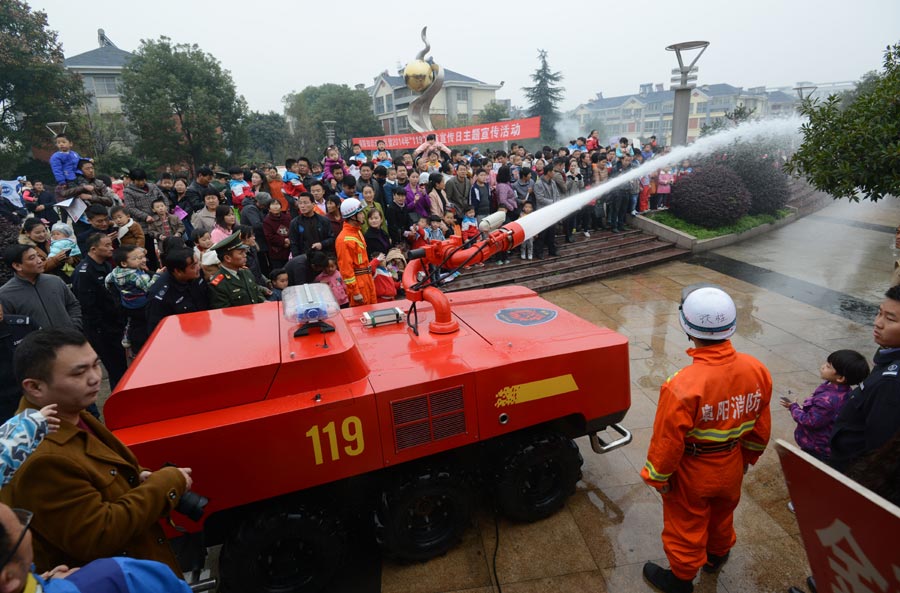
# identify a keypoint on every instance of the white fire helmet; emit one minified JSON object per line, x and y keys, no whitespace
{"x":350,"y":208}
{"x":708,"y":313}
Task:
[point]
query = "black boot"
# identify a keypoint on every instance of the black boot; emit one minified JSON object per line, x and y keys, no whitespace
{"x":714,"y":563}
{"x":665,"y":581}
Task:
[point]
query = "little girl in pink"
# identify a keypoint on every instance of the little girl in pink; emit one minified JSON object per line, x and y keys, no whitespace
{"x":332,"y":278}
{"x":664,"y":187}
{"x":333,"y":157}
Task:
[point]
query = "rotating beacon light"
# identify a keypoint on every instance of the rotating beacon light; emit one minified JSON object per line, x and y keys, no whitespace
{"x":311,"y":305}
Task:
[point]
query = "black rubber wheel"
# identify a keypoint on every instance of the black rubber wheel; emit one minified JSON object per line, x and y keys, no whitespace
{"x":296,"y":550}
{"x":537,"y":473}
{"x":422,"y":513}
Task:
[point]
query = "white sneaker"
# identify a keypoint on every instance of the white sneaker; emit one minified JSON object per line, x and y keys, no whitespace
{"x":530,"y":257}
{"x":522,"y":256}
{"x":634,"y":212}
{"x":587,"y":234}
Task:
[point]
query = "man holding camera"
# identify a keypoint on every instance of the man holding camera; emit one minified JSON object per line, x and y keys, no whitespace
{"x":89,"y":496}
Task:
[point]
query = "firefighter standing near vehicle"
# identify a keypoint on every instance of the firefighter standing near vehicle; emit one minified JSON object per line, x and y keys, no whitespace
{"x":353,"y":260}
{"x":712,"y":422}
{"x":233,"y":285}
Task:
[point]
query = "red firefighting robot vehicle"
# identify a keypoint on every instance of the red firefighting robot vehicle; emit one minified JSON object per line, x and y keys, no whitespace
{"x":298,"y":427}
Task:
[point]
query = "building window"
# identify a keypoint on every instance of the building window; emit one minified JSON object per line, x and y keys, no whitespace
{"x":402,"y":124}
{"x":379,"y":105}
{"x":389,"y":100}
{"x":402,"y":92}
{"x":101,"y":86}
{"x":462,"y":119}
{"x":462,"y":94}
{"x":106,"y":86}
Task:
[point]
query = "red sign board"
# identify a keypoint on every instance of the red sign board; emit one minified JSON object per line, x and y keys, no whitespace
{"x":516,"y":129}
{"x":851,"y":535}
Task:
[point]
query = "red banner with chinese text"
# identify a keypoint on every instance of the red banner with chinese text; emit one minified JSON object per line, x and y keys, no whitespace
{"x":851,"y":535}
{"x":516,"y":129}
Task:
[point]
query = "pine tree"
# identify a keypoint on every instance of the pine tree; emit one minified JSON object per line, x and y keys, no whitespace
{"x":544,"y":96}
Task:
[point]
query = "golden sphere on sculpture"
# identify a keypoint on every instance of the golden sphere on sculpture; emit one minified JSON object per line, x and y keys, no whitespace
{"x":418,"y":75}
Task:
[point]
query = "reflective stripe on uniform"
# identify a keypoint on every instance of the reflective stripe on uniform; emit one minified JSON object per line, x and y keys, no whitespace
{"x":720,"y":436}
{"x":351,"y":280}
{"x":752,"y":445}
{"x":655,"y":475}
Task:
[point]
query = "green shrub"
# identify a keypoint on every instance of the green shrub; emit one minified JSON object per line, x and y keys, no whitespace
{"x":767,"y":185}
{"x":711,"y":197}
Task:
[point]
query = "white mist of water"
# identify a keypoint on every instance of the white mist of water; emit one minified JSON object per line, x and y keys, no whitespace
{"x":545,"y":217}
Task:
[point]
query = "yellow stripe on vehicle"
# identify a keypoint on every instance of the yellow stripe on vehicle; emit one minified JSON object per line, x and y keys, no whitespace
{"x":655,"y":475}
{"x":720,"y":436}
{"x":526,"y":392}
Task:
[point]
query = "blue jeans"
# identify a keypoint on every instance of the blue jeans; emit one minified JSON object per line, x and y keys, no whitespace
{"x":633,"y":205}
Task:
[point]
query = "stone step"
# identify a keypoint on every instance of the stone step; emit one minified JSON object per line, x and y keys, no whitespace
{"x":585,"y":260}
{"x":606,"y":269}
{"x":567,"y":250}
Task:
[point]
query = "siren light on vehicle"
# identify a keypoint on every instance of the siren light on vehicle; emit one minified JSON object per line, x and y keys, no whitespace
{"x":308,"y":302}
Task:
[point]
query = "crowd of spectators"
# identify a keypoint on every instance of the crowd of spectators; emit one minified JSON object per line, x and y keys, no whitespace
{"x":127,"y":252}
{"x":99,"y":262}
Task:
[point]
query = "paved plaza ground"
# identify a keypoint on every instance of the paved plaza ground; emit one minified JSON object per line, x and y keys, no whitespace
{"x":802,"y":292}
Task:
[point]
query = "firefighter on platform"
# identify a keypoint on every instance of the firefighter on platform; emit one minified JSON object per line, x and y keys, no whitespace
{"x":712,"y":422}
{"x":233,"y":285}
{"x":353,"y":260}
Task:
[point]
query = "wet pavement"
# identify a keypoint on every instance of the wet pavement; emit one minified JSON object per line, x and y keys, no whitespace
{"x":802,"y":291}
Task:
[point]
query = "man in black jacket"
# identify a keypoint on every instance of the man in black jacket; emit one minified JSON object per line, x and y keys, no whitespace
{"x":103,"y":322}
{"x":180,"y":289}
{"x":197,"y":189}
{"x":309,"y":231}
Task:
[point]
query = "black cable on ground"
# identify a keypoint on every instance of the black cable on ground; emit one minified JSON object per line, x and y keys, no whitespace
{"x":496,"y":546}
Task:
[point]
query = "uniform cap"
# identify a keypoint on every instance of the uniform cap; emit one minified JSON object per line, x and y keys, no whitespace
{"x":229,"y":243}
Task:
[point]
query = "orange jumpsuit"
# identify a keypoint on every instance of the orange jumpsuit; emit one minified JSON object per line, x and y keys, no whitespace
{"x":353,"y":262}
{"x":712,"y":419}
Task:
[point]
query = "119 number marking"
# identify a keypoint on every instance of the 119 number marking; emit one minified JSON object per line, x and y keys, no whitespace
{"x":351,"y":431}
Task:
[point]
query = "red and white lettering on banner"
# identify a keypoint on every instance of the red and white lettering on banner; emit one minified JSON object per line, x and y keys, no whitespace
{"x":516,"y":129}
{"x":851,"y":534}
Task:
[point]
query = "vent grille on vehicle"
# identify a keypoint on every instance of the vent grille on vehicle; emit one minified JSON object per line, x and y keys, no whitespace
{"x":427,"y":418}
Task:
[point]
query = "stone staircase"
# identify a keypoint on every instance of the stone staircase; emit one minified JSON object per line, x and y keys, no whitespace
{"x":603,"y":254}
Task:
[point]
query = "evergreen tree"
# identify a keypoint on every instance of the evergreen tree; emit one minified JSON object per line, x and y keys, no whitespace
{"x":35,"y":88}
{"x":183,"y":105}
{"x":544,"y":96}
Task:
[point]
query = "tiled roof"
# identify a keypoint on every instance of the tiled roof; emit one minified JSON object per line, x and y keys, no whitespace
{"x":107,"y":56}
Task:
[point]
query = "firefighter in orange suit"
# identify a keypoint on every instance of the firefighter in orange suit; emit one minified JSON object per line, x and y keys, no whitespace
{"x":353,"y":261}
{"x":712,"y":422}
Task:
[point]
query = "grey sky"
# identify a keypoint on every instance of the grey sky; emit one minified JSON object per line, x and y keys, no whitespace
{"x":275,"y":47}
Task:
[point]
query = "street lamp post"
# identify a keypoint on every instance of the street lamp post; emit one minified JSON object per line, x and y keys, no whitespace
{"x":683,"y":84}
{"x":329,"y":131}
{"x":805,"y":91}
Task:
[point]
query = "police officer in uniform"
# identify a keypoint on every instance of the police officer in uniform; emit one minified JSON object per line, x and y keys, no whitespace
{"x":234,"y":284}
{"x":104,"y":324}
{"x":179,"y":289}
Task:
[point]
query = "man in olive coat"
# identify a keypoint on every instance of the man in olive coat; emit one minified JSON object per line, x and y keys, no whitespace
{"x":90,"y":497}
{"x":233,"y":285}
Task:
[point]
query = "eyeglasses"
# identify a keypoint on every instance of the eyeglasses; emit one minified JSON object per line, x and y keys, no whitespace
{"x":24,"y":518}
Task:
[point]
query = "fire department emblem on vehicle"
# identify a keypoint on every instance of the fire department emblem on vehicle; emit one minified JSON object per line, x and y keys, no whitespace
{"x":526,"y":315}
